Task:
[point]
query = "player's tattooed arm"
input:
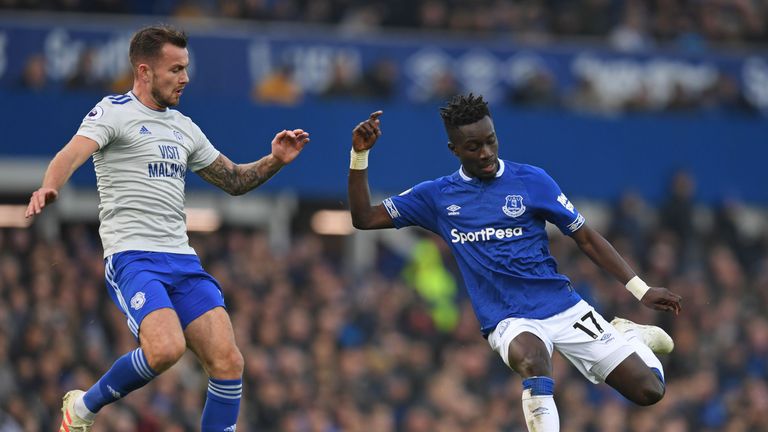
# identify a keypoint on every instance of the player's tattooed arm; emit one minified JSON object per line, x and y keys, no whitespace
{"x":237,"y":179}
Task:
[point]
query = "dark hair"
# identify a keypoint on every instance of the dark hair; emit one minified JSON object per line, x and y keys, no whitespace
{"x":147,"y":42}
{"x":463,"y":110}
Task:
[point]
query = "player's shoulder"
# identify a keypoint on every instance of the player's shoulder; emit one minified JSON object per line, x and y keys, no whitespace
{"x":526,"y":171}
{"x":424,"y":189}
{"x":178,"y":116}
{"x":117,"y":101}
{"x":522,"y":168}
{"x":107,"y":108}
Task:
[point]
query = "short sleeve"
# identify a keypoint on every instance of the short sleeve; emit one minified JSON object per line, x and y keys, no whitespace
{"x":100,"y":125}
{"x":203,"y":153}
{"x":413,"y":207}
{"x":553,"y":205}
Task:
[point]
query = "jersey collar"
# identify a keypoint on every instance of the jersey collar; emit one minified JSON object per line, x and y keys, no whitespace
{"x":133,"y":95}
{"x":466,"y":177}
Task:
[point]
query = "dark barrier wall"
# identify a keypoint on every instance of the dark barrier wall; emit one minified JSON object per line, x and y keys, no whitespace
{"x":589,"y":156}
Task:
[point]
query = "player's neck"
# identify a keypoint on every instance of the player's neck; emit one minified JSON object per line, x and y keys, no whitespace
{"x":145,"y":97}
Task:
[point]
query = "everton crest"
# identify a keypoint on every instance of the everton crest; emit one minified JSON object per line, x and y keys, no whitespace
{"x":513,"y":206}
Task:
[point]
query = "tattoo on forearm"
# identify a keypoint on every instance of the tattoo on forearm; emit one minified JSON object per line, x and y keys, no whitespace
{"x":238,"y":179}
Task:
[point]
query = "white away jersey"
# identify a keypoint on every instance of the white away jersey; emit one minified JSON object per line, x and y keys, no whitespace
{"x":141,"y":166}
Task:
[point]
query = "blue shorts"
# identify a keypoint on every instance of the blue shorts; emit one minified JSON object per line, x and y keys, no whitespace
{"x":140,"y":282}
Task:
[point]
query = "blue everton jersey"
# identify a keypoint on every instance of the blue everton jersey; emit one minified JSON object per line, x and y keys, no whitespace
{"x":496,"y":231}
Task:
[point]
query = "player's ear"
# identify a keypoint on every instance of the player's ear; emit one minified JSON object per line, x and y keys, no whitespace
{"x":143,"y":72}
{"x":452,"y":148}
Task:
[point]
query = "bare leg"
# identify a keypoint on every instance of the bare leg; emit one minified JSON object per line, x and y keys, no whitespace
{"x":529,"y":357}
{"x":212,"y":339}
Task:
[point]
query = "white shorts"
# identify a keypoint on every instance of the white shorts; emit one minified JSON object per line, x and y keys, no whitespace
{"x":580,"y":334}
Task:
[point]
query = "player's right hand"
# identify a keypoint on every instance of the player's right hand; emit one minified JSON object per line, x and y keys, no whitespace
{"x":40,"y":198}
{"x":662,"y":299}
{"x":366,"y":133}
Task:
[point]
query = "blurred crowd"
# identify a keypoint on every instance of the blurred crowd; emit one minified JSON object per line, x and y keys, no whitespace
{"x":683,"y":27}
{"x":325,"y":352}
{"x":630,"y":24}
{"x":537,"y":88}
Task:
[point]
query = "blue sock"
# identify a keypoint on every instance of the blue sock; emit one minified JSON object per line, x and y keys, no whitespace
{"x":222,"y":405}
{"x":539,"y":385}
{"x":128,"y":373}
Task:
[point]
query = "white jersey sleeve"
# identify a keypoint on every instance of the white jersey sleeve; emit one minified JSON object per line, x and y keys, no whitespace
{"x":101,"y":124}
{"x":203,"y":153}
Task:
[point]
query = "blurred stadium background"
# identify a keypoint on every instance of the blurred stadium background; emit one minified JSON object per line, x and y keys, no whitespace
{"x":650,"y":114}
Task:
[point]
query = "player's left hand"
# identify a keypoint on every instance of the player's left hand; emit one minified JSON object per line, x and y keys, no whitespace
{"x":365,"y":134}
{"x":662,"y":299}
{"x":288,"y":144}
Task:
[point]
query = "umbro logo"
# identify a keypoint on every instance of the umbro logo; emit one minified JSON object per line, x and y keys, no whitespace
{"x":144,"y":131}
{"x":453,"y":210}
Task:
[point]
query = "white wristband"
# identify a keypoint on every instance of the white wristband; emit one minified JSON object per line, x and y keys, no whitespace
{"x":358,"y":160}
{"x":637,"y":287}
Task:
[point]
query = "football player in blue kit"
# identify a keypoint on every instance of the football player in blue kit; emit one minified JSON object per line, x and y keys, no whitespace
{"x":492,"y":213}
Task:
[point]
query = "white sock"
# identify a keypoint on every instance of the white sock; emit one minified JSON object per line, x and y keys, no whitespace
{"x":540,"y":413}
{"x":81,"y":410}
{"x":645,"y":353}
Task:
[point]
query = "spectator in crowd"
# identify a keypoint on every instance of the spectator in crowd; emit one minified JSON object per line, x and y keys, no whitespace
{"x":380,"y":79}
{"x":85,"y":77}
{"x":677,"y":211}
{"x":34,"y":77}
{"x":344,"y":81}
{"x":278,"y":87}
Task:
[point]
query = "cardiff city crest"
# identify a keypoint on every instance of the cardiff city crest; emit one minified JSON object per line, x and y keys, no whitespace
{"x":513,"y":206}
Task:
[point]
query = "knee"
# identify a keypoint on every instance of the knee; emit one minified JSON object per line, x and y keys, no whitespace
{"x":650,"y":392}
{"x":533,"y":365}
{"x":227,"y":365}
{"x":161,"y":356}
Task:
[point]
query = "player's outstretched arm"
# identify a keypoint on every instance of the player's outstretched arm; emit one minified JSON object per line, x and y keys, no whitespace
{"x":237,"y":179}
{"x":602,"y":253}
{"x":365,"y":216}
{"x":66,"y":161}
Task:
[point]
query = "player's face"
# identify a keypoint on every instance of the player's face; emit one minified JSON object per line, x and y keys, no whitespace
{"x":477,"y":148}
{"x":169,"y":75}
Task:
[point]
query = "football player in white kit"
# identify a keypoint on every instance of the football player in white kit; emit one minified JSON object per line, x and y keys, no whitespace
{"x":141,"y":151}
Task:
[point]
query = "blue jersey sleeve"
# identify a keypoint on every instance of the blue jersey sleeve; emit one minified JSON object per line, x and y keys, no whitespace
{"x":553,"y":205}
{"x":413,"y":207}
